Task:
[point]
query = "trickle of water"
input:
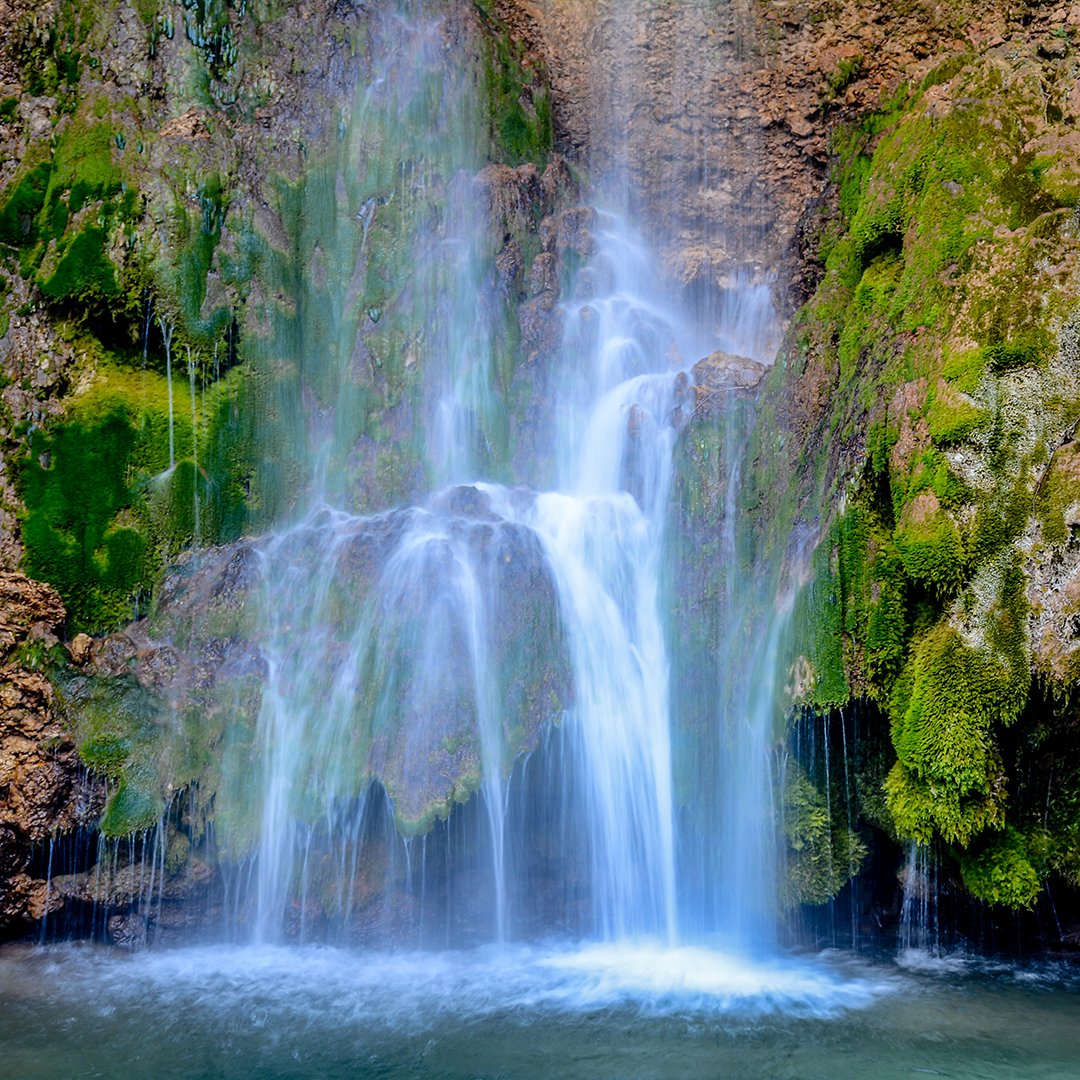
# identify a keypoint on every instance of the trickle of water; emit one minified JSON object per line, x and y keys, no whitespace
{"x":194,"y":448}
{"x":166,"y":336}
{"x":919,"y":914}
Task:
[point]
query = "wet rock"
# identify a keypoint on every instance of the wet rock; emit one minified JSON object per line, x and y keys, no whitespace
{"x":720,"y":375}
{"x":544,"y":275}
{"x":80,"y":649}
{"x":40,"y":781}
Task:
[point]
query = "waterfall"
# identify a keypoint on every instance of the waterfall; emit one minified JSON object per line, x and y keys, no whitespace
{"x":415,"y":658}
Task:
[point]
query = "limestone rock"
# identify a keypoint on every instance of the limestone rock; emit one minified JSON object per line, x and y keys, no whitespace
{"x":40,"y":785}
{"x":720,"y":375}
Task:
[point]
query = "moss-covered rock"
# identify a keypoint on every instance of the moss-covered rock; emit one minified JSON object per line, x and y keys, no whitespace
{"x":917,"y":404}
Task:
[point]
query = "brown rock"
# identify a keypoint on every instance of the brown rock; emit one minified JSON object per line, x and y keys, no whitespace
{"x":189,"y":126}
{"x":81,"y":648}
{"x":24,"y":604}
{"x":719,"y":375}
{"x":39,"y":768}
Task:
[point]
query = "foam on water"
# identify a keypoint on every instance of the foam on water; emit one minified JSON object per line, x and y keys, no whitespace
{"x":315,"y":986}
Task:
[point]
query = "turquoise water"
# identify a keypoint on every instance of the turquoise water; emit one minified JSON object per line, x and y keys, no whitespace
{"x":588,"y":1012}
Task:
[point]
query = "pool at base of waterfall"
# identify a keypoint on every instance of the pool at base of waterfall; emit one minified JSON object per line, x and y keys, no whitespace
{"x":592,"y":1011}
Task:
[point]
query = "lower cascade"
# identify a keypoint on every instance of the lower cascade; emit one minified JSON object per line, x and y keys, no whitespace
{"x":432,"y":647}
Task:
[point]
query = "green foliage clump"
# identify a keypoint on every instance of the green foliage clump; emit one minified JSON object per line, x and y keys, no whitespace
{"x":519,"y":104}
{"x":117,"y":728}
{"x":104,"y":510}
{"x":83,"y":272}
{"x":822,"y":854}
{"x":931,"y":547}
{"x":74,"y":483}
{"x":1010,"y":355}
{"x":131,"y":809}
{"x":1006,"y":869}
{"x":944,"y":710}
{"x":18,"y":227}
{"x":919,"y":810}
{"x":1058,"y":491}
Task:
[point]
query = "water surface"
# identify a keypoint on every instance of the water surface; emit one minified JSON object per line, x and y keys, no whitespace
{"x":590,"y":1012}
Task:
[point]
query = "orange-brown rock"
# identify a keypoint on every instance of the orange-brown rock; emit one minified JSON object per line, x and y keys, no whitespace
{"x":719,"y":115}
{"x":39,"y":766}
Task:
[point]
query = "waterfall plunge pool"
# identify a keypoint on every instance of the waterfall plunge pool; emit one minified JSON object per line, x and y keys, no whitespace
{"x":589,"y":1011}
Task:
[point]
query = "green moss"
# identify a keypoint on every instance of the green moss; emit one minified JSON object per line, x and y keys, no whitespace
{"x":887,"y":626}
{"x":83,"y":272}
{"x":954,"y":421}
{"x":105,"y":753}
{"x":131,"y":809}
{"x":822,"y":855}
{"x":920,"y":810}
{"x":965,"y":370}
{"x":1018,"y":353}
{"x":73,"y":484}
{"x":27,"y":197}
{"x":1002,"y":870}
{"x":931,"y":547}
{"x":1058,"y":491}
{"x":519,"y":105}
{"x":944,"y":711}
{"x":104,"y":511}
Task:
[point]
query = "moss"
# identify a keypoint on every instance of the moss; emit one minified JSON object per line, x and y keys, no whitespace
{"x":83,"y":272}
{"x":887,"y":626}
{"x":920,"y":810}
{"x":104,"y":510}
{"x":73,"y":484}
{"x":18,"y":226}
{"x":944,"y":711}
{"x":1018,"y":353}
{"x":931,"y":547}
{"x":822,"y":855}
{"x":131,"y":809}
{"x":842,"y":76}
{"x":953,"y":420}
{"x":1002,"y":870}
{"x":105,"y":753}
{"x":519,"y":104}
{"x":194,"y":243}
{"x":1057,"y":493}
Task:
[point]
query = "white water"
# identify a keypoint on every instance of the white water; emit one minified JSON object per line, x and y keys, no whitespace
{"x":387,"y":651}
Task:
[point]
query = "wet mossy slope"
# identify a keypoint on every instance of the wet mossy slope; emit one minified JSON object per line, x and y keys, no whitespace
{"x":926,"y":403}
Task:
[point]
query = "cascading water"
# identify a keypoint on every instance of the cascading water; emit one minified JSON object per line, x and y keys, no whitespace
{"x":403,"y":648}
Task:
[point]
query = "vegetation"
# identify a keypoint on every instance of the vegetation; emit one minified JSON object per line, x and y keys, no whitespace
{"x":917,"y":596}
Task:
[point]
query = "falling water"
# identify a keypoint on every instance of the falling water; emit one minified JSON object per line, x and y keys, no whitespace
{"x":166,"y":337}
{"x":416,"y":654}
{"x":919,"y":932}
{"x":191,"y":366}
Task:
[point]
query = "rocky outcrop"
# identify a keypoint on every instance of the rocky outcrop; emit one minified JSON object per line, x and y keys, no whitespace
{"x":722,"y":114}
{"x":42,"y":793}
{"x":720,"y":375}
{"x":150,"y":703}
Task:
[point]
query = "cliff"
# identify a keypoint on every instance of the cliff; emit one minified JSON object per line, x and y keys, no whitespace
{"x":181,"y":211}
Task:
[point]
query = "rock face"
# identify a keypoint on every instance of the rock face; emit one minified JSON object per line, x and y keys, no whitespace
{"x":722,"y":113}
{"x":907,"y":170}
{"x":720,"y":375}
{"x":224,"y":618}
{"x":41,"y":779}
